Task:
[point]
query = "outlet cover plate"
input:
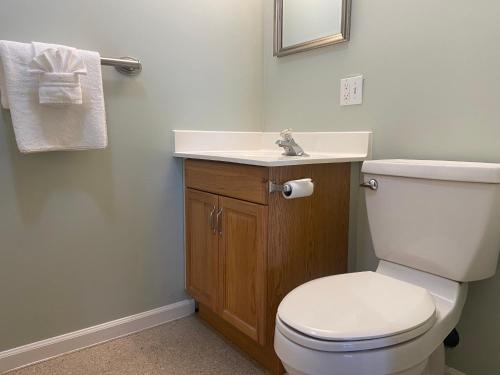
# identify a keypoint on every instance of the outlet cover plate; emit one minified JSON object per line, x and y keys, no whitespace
{"x":351,"y":90}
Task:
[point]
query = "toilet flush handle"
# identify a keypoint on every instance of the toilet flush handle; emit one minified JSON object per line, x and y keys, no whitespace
{"x":372,"y":184}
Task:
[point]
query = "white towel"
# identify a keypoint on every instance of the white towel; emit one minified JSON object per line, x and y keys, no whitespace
{"x":51,"y":128}
{"x":59,"y":73}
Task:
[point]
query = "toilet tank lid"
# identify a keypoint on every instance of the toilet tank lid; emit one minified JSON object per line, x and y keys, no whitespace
{"x":435,"y":170}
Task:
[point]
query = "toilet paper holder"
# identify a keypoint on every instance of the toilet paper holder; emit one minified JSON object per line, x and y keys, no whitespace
{"x":279,"y":188}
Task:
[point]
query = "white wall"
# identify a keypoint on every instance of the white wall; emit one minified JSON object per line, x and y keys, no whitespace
{"x":88,"y":237}
{"x":432,"y":90}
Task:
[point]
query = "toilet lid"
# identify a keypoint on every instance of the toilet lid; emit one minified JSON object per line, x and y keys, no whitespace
{"x":356,"y":306}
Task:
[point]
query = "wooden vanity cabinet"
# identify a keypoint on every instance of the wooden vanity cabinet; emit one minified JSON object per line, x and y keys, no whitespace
{"x":247,"y":248}
{"x":226,"y":242}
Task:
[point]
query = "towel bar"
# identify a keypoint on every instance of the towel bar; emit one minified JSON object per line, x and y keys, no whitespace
{"x":125,"y":65}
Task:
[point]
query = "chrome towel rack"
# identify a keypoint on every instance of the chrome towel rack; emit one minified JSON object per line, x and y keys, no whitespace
{"x":126,"y":65}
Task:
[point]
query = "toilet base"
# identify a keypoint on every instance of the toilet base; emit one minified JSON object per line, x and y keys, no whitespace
{"x":434,"y":365}
{"x":436,"y":362}
{"x":420,"y":369}
{"x":299,"y":360}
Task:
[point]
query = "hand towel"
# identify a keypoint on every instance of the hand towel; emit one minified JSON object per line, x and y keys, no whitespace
{"x":59,"y":73}
{"x":51,"y":128}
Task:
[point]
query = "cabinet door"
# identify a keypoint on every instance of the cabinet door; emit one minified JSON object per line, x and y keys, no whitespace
{"x":242,"y":256}
{"x":202,"y":247}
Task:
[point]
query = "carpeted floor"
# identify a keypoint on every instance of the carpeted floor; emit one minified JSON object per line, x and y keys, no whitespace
{"x":185,"y":346}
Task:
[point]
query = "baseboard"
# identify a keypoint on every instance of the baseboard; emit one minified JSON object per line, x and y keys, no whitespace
{"x":452,"y":371}
{"x":55,"y":346}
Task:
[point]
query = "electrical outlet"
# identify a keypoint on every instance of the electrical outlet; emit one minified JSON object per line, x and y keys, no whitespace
{"x":345,"y":92}
{"x":351,"y":91}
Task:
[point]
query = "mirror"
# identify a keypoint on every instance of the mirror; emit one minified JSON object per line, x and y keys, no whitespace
{"x":301,"y":25}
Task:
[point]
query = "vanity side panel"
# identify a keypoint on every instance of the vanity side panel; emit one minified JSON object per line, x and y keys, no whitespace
{"x":308,"y":237}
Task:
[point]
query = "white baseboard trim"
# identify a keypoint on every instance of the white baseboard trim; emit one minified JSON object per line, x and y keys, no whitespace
{"x":42,"y":350}
{"x":452,"y":371}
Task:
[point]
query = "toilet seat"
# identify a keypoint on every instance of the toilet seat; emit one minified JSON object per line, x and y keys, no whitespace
{"x":356,"y":311}
{"x":349,"y":346}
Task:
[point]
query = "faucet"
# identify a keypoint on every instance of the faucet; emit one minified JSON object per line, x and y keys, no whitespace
{"x":289,"y":145}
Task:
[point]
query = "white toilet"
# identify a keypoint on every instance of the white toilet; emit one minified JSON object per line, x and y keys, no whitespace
{"x":435,"y":225}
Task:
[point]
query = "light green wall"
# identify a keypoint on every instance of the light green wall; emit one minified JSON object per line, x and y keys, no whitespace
{"x":432,"y":90}
{"x":88,"y":237}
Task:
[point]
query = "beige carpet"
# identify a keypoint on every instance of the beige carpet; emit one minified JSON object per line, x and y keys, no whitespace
{"x":185,"y":346}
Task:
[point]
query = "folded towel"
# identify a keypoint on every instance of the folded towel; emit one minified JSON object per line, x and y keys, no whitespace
{"x":59,"y":73}
{"x":51,"y":128}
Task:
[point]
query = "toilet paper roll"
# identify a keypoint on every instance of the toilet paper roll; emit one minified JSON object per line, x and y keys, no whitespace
{"x":298,"y":188}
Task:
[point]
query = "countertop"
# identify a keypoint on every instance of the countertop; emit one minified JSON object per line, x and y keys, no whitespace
{"x":256,"y":148}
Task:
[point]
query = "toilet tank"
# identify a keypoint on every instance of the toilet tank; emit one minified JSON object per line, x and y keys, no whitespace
{"x":441,"y":217}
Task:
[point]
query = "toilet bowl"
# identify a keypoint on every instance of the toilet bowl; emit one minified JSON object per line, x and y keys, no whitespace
{"x":406,"y":339}
{"x":434,"y":227}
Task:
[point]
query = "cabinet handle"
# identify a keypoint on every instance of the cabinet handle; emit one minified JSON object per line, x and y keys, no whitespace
{"x":211,"y":220}
{"x":219,"y":223}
